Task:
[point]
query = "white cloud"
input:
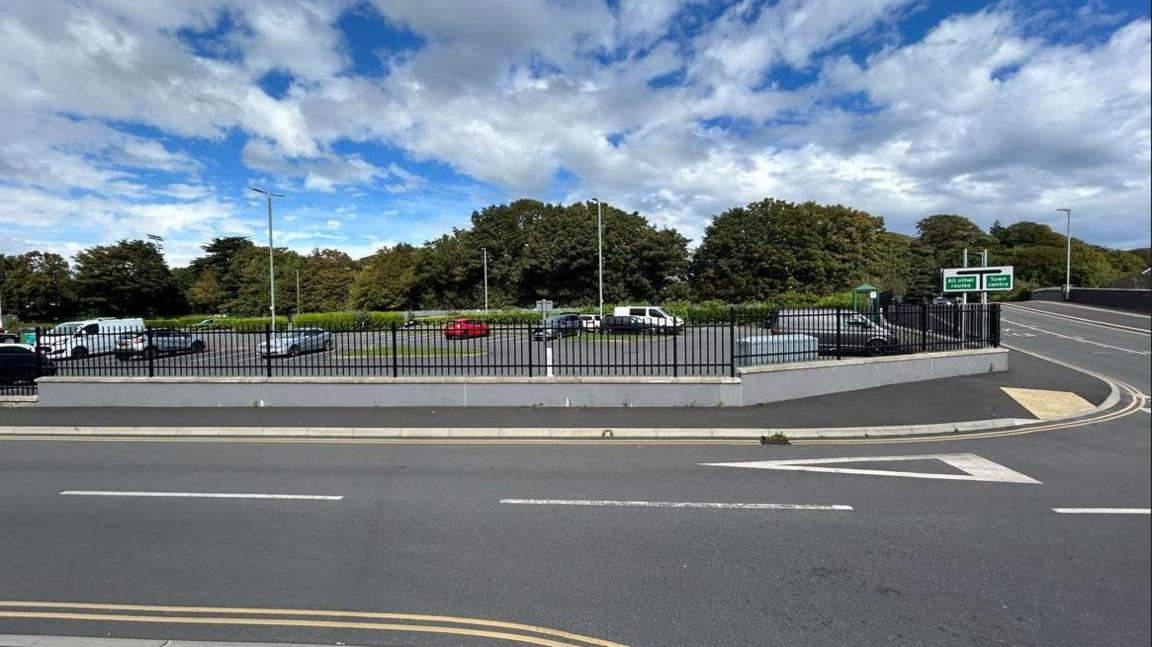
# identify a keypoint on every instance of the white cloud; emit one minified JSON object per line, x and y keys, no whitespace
{"x":985,"y":115}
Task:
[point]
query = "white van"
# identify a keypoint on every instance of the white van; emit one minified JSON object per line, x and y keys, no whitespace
{"x":651,"y":315}
{"x":79,"y":339}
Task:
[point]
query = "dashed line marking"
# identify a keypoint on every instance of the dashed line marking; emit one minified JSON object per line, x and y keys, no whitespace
{"x":1102,"y":510}
{"x":677,"y":504}
{"x":203,"y":495}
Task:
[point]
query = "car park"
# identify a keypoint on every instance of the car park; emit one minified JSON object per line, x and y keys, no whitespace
{"x":159,"y":341}
{"x":835,"y":329}
{"x":559,"y":326}
{"x":79,"y":339}
{"x":294,"y":342}
{"x":21,"y":364}
{"x":465,"y":329}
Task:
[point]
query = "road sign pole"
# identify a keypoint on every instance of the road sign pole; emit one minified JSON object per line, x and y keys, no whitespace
{"x":964,"y":295}
{"x":984,"y":288}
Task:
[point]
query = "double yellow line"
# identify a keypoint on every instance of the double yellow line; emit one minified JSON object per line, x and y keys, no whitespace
{"x":318,"y":619}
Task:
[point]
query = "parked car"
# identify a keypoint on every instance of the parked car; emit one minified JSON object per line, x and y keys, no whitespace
{"x":207,"y":324}
{"x":590,"y":322}
{"x":79,"y":339}
{"x":941,"y":301}
{"x":9,"y":337}
{"x":159,"y":341}
{"x":652,"y":315}
{"x":559,"y":326}
{"x":629,"y":325}
{"x":293,"y":342}
{"x":857,"y":333}
{"x":21,"y":364}
{"x":465,"y":328}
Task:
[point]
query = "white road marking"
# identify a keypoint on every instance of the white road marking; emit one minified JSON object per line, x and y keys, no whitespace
{"x":975,"y":467}
{"x":1083,"y":341}
{"x":1146,"y":410}
{"x":676,"y":504}
{"x":1094,"y":322}
{"x":203,"y":495}
{"x":1102,"y":510}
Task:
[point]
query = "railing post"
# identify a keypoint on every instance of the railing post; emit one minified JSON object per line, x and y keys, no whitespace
{"x":395,"y":354}
{"x":731,"y":341}
{"x":923,"y":327}
{"x":529,"y":351}
{"x":994,"y":324}
{"x":149,"y":352}
{"x":839,"y":325}
{"x":268,"y":350}
{"x":675,"y":351}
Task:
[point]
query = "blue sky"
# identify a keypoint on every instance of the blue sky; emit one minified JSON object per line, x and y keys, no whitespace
{"x":391,"y":121}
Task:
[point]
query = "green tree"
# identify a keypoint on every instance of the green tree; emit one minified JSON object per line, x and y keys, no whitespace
{"x":750,"y":253}
{"x":948,"y":234}
{"x":37,"y":287}
{"x":128,"y":278}
{"x":1030,"y":234}
{"x":387,"y":281}
{"x":326,"y":279}
{"x":206,"y":295}
{"x":220,"y":253}
{"x":250,"y":270}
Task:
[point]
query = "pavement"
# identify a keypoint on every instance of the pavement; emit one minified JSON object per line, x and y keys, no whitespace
{"x":1022,"y":539}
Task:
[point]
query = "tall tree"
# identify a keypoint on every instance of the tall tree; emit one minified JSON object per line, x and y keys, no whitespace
{"x":250,"y":269}
{"x":750,"y":253}
{"x":326,"y":278}
{"x":949,"y":234}
{"x":38,"y":287}
{"x":128,"y":278}
{"x":387,"y":281}
{"x":220,"y":253}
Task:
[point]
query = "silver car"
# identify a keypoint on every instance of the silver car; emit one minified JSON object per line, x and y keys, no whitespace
{"x":854,"y":332}
{"x":156,"y":342}
{"x":293,"y":342}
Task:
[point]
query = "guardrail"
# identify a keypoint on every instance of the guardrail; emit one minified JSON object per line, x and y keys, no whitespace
{"x":474,"y":349}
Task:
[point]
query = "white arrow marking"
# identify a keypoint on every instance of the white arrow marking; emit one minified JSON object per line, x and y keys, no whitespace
{"x":974,"y":467}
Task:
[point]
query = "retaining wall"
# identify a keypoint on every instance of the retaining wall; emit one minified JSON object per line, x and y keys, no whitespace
{"x":1125,"y":299}
{"x":753,"y":385}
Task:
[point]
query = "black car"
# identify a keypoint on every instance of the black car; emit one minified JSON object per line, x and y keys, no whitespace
{"x":562,"y":325}
{"x":19,"y":364}
{"x":628,"y":325}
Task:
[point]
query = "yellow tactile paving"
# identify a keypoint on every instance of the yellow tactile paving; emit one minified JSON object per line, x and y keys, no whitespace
{"x":1047,"y":405}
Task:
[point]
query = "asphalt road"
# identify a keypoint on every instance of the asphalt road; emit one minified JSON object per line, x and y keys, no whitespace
{"x":476,"y":531}
{"x":1124,"y":353}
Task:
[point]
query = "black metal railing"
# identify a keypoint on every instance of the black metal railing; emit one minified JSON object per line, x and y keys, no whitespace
{"x":747,"y":338}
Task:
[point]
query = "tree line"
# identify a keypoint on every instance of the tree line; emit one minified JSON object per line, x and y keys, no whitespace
{"x":537,"y":250}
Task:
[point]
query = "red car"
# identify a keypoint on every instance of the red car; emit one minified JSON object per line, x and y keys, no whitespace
{"x":465,"y":328}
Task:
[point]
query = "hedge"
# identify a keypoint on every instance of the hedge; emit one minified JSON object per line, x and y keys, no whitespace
{"x":338,"y":321}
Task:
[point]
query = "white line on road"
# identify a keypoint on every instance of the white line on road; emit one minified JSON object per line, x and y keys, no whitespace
{"x":203,"y":495}
{"x":1094,"y":322}
{"x":1083,"y":341}
{"x":676,"y":504}
{"x":1102,"y":510}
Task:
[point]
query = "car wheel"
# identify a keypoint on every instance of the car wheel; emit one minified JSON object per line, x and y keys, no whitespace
{"x":876,"y":347}
{"x":79,"y":352}
{"x":197,"y":347}
{"x":293,"y":351}
{"x":328,"y":345}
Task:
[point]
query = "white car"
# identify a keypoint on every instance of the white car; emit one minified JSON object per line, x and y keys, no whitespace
{"x":590,"y":322}
{"x":79,"y":339}
{"x":651,"y":315}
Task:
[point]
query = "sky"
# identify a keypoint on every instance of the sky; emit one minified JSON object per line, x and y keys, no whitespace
{"x":392,"y":120}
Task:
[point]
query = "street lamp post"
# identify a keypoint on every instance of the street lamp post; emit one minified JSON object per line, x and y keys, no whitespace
{"x":485,"y":250}
{"x":271,"y":262}
{"x":297,"y":291}
{"x":600,"y":252}
{"x":1068,"y":256}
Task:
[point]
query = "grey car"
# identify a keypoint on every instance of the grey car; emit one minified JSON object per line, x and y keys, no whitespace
{"x":156,"y":342}
{"x":562,"y":325}
{"x":854,"y":333}
{"x":293,"y":342}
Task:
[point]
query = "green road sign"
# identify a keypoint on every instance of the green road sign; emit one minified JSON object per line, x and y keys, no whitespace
{"x":998,"y":282}
{"x":960,"y":283}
